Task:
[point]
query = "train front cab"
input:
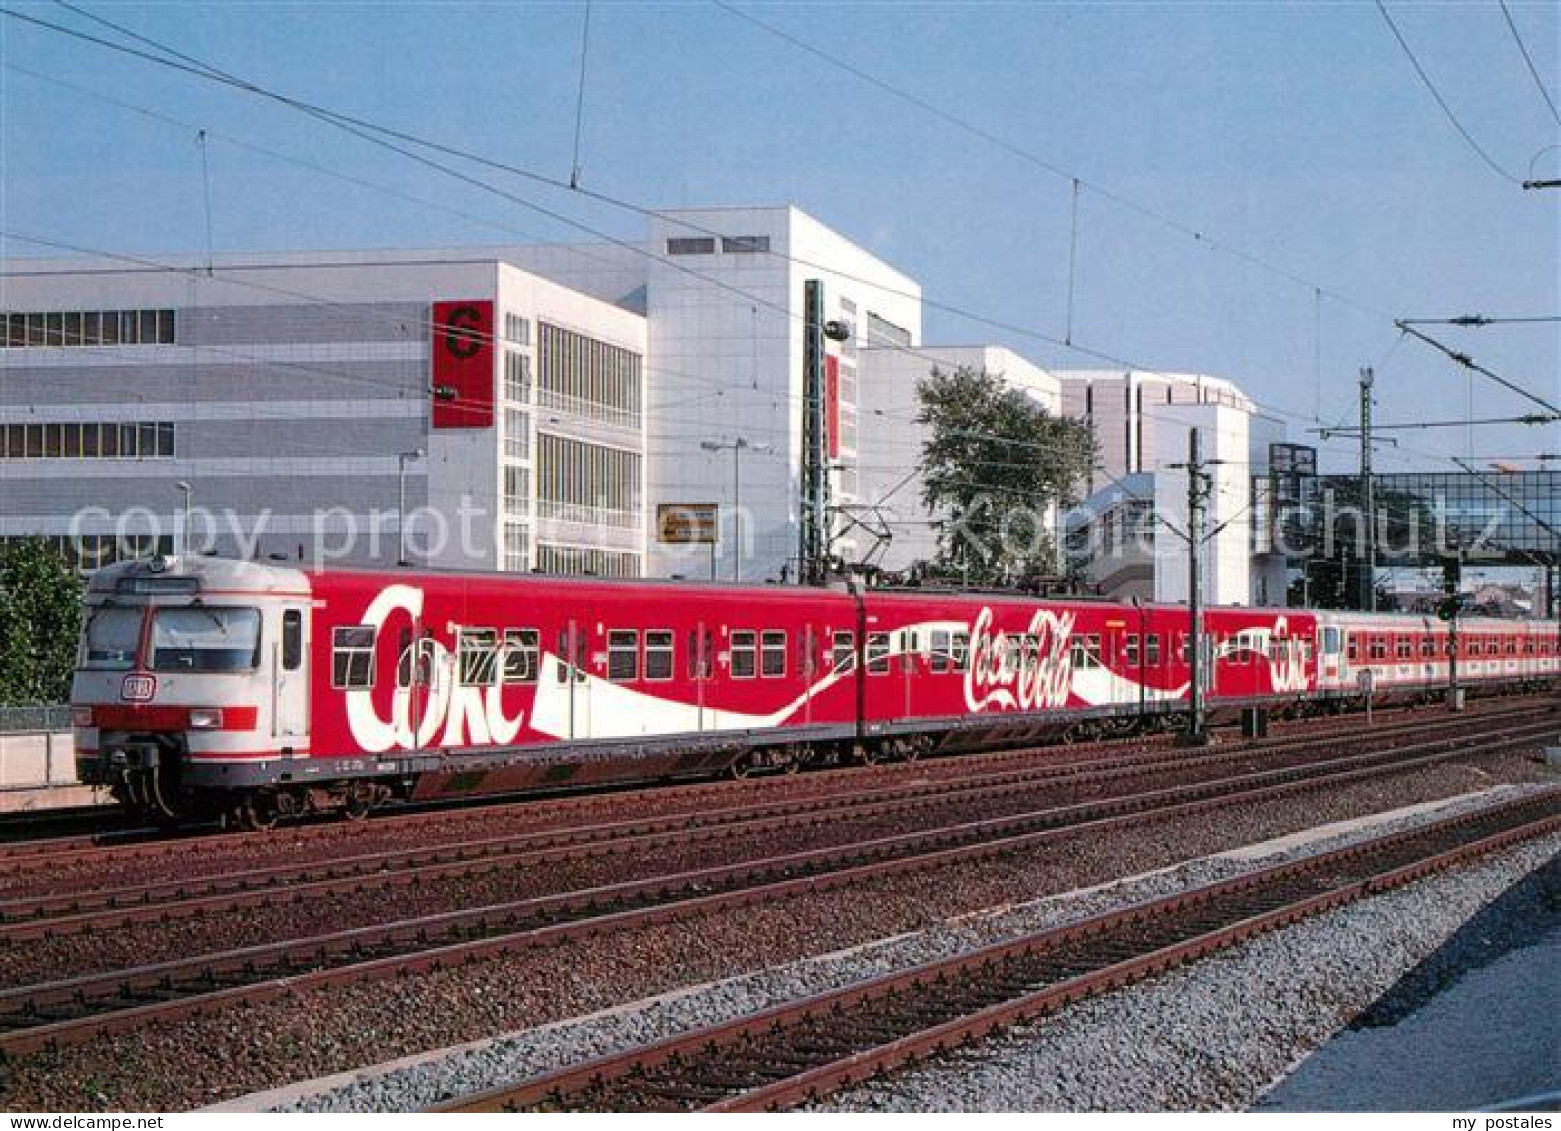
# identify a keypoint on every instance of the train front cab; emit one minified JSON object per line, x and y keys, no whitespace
{"x":191,"y":689}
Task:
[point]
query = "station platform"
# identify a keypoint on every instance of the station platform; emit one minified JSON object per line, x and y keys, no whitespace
{"x":1476,"y":1026}
{"x":38,"y":771}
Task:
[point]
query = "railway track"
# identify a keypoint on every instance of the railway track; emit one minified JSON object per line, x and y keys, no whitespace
{"x":271,"y":886}
{"x":79,"y":835}
{"x":806,"y":1050}
{"x":81,"y":1008}
{"x":19,"y":858}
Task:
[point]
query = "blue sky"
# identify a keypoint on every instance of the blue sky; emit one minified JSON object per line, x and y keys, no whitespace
{"x":1298,"y":134}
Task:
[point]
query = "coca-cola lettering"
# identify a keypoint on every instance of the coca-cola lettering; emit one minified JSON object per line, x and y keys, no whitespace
{"x":1286,"y":670}
{"x":1028,"y":671}
{"x":446,"y":712}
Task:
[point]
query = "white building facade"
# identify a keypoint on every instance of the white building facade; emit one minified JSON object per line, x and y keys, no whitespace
{"x":1131,"y":531}
{"x":298,"y":403}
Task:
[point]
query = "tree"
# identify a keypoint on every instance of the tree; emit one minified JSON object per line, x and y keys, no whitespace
{"x":40,"y":617}
{"x":993,"y":465}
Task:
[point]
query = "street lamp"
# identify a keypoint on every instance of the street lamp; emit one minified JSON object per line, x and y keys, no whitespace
{"x":737,"y":448}
{"x":184,"y":533}
{"x":402,"y":459}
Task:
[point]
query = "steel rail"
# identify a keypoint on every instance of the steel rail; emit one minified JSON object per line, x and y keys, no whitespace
{"x":41,"y":854}
{"x":805,"y":1050}
{"x":108,"y":908}
{"x":19,"y":855}
{"x":77,"y":1009}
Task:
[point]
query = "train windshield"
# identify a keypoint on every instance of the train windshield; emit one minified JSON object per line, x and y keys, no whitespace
{"x":113,"y":635}
{"x":202,"y":639}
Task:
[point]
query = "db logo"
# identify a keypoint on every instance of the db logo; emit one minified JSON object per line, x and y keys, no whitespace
{"x":138,"y":688}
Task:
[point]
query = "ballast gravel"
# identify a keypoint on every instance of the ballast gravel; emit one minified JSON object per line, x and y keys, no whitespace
{"x":313,"y":1031}
{"x":1216,"y":1035}
{"x":1213,"y":1035}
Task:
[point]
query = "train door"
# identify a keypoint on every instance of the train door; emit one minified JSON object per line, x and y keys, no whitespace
{"x":290,"y":680}
{"x":806,"y":669}
{"x":700,"y":662}
{"x":908,"y":644}
{"x":572,"y":657}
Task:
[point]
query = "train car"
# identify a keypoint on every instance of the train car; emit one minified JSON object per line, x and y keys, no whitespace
{"x":255,"y":692}
{"x":1392,"y":658}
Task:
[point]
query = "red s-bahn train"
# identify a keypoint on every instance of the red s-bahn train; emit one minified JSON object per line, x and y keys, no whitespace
{"x":208,"y":686}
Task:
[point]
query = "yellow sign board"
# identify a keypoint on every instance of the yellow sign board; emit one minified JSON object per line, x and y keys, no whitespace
{"x":688,"y":524}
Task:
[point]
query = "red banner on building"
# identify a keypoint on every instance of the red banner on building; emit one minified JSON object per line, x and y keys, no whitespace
{"x":832,"y":404}
{"x":463,"y":370}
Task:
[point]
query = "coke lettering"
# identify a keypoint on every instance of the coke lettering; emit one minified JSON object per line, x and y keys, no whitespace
{"x":1010,"y":673}
{"x":1286,"y":671}
{"x":447,"y":710}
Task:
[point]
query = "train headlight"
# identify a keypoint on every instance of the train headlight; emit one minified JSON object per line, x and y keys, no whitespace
{"x":205,"y":718}
{"x":81,"y":716}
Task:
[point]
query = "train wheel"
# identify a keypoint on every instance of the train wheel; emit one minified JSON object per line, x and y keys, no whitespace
{"x":743,"y":767}
{"x":258,"y":814}
{"x":359,"y":801}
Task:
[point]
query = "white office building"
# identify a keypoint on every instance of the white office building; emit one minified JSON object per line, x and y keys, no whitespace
{"x":296,"y":403}
{"x":1130,"y":532}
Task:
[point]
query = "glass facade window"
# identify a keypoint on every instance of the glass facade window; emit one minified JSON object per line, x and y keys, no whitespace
{"x":88,"y":440}
{"x":581,"y":482}
{"x":68,"y":328}
{"x":586,"y":561}
{"x":581,"y":375}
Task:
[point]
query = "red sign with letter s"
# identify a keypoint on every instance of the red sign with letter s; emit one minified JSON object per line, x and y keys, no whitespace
{"x":463,"y":371}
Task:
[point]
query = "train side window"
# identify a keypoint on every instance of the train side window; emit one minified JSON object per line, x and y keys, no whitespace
{"x":938,"y":661}
{"x":1130,"y":649}
{"x":772,"y":654}
{"x":1152,"y":650}
{"x":743,"y":649}
{"x":658,"y":653}
{"x":1186,"y":648}
{"x":292,"y":639}
{"x":352,"y":656}
{"x":1330,"y":641}
{"x":1092,"y":647}
{"x":522,"y":655}
{"x":961,"y":651}
{"x":623,"y":655}
{"x":1404,"y":648}
{"x":477,"y":651}
{"x":844,"y":658}
{"x":877,"y":653}
{"x":1351,"y":648}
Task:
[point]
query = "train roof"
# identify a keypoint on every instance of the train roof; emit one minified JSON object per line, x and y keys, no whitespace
{"x":241,"y":574}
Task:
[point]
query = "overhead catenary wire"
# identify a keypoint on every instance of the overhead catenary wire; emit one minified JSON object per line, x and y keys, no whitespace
{"x":1195,"y":234}
{"x":365,"y":130}
{"x":1470,"y":364}
{"x":585,"y":46}
{"x":1528,"y":60}
{"x":1425,"y":78}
